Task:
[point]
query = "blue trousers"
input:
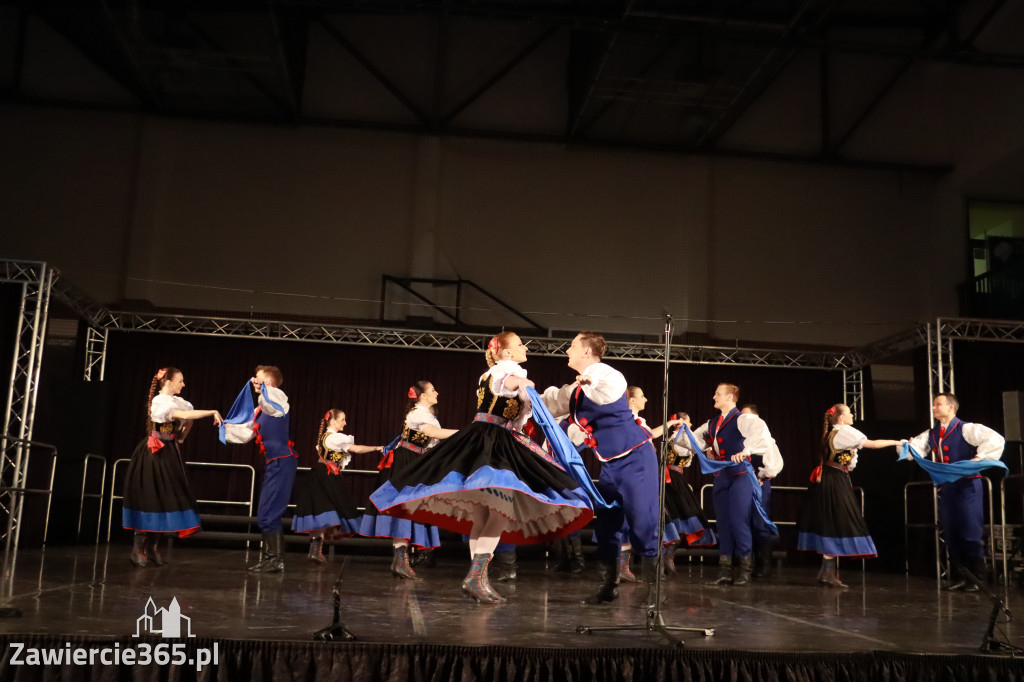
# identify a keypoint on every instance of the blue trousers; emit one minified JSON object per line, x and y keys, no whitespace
{"x":962,"y":519}
{"x":632,"y":481}
{"x":733,"y":496}
{"x":275,"y":492}
{"x":762,"y":534}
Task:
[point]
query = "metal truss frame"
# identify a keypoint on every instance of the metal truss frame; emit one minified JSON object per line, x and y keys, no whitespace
{"x":35,"y":279}
{"x":853,"y":391}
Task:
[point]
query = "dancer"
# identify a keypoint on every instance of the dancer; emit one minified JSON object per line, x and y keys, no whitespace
{"x":420,"y":432}
{"x":490,"y":481}
{"x":269,"y":426}
{"x":322,"y":506}
{"x":596,"y":403}
{"x":733,"y":436}
{"x":683,"y":511}
{"x":961,"y":510}
{"x":830,"y":521}
{"x":762,"y":535}
{"x":157,"y":498}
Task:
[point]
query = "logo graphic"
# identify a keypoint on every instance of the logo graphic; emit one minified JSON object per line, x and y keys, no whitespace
{"x":164,"y":622}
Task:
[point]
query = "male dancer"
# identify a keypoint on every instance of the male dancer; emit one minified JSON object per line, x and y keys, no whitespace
{"x":269,"y":426}
{"x":596,"y":403}
{"x":961,"y":512}
{"x":762,"y":534}
{"x":734,"y":436}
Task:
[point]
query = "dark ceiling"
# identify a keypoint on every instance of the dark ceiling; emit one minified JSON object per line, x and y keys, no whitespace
{"x":674,"y":76}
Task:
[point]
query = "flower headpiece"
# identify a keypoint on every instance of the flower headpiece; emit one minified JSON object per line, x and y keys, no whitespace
{"x":412,"y":393}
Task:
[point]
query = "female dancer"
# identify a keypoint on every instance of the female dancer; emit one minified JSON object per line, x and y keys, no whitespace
{"x":420,"y":432}
{"x":491,"y":482}
{"x":157,"y":498}
{"x":683,"y":511}
{"x":830,"y":521}
{"x":323,"y":506}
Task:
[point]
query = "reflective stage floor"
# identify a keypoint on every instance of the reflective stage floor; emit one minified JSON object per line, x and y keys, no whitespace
{"x":96,"y":592}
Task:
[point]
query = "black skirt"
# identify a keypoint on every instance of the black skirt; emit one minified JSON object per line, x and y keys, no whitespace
{"x":683,"y":512}
{"x":157,"y":497}
{"x":324,"y":503}
{"x":488,"y":465}
{"x":376,"y":525}
{"x":830,"y":520}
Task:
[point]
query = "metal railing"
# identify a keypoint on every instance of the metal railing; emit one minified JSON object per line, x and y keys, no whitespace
{"x":212,"y":465}
{"x":97,"y":496}
{"x":16,"y":494}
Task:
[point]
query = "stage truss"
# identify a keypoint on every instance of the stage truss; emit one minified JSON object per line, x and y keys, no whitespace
{"x":39,"y":282}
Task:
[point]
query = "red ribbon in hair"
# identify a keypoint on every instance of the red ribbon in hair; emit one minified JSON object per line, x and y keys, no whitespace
{"x":327,"y":416}
{"x":492,"y":345}
{"x":161,"y":372}
{"x":830,"y":411}
{"x":411,"y":393}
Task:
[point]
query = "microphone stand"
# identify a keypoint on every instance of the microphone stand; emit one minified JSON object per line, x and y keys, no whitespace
{"x":336,"y":631}
{"x":655,"y":619}
{"x":990,"y":644}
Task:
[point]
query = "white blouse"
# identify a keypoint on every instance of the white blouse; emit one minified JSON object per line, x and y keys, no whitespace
{"x":848,"y":438}
{"x":163,"y":406}
{"x":757,"y":439}
{"x":420,"y":416}
{"x":498,"y":373}
{"x":339,"y":442}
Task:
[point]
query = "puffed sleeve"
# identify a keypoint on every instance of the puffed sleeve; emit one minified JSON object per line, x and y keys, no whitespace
{"x":339,"y":442}
{"x":606,"y":384}
{"x":848,"y":438}
{"x":419,"y":417}
{"x":989,"y":443}
{"x":920,"y":443}
{"x":164,"y":406}
{"x":270,"y":396}
{"x":756,"y":436}
{"x":557,"y":398}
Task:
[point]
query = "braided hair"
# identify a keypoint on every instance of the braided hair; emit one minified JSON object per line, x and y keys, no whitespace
{"x":832,"y":415}
{"x":329,"y":416}
{"x":162,"y":376}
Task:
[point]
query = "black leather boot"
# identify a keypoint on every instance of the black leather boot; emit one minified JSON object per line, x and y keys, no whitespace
{"x":625,"y":574}
{"x":609,"y":590}
{"x":763,"y":560}
{"x":138,"y":556}
{"x":400,"y":565}
{"x":746,"y":566}
{"x":153,"y":550}
{"x":476,"y":583}
{"x":977,"y":568}
{"x":670,"y":557}
{"x":271,"y":555}
{"x":316,"y":549}
{"x":957,"y":581}
{"x":504,"y":566}
{"x":576,"y":563}
{"x":829,"y":574}
{"x":724,"y":571}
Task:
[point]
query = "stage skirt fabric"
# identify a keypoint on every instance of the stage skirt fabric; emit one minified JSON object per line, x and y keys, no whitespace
{"x":830,"y":520}
{"x":157,"y":497}
{"x":376,"y":525}
{"x":323,"y":503}
{"x":683,"y":513}
{"x":485,"y":465}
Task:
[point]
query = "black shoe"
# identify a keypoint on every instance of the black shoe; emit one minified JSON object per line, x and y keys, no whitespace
{"x":609,"y":590}
{"x":138,"y":556}
{"x":504,"y":566}
{"x":746,"y":565}
{"x":271,"y":556}
{"x":724,"y":571}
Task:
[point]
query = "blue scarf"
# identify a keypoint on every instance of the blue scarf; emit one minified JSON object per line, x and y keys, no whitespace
{"x":941,"y":472}
{"x":715,"y":466}
{"x":563,"y":449}
{"x":241,"y":411}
